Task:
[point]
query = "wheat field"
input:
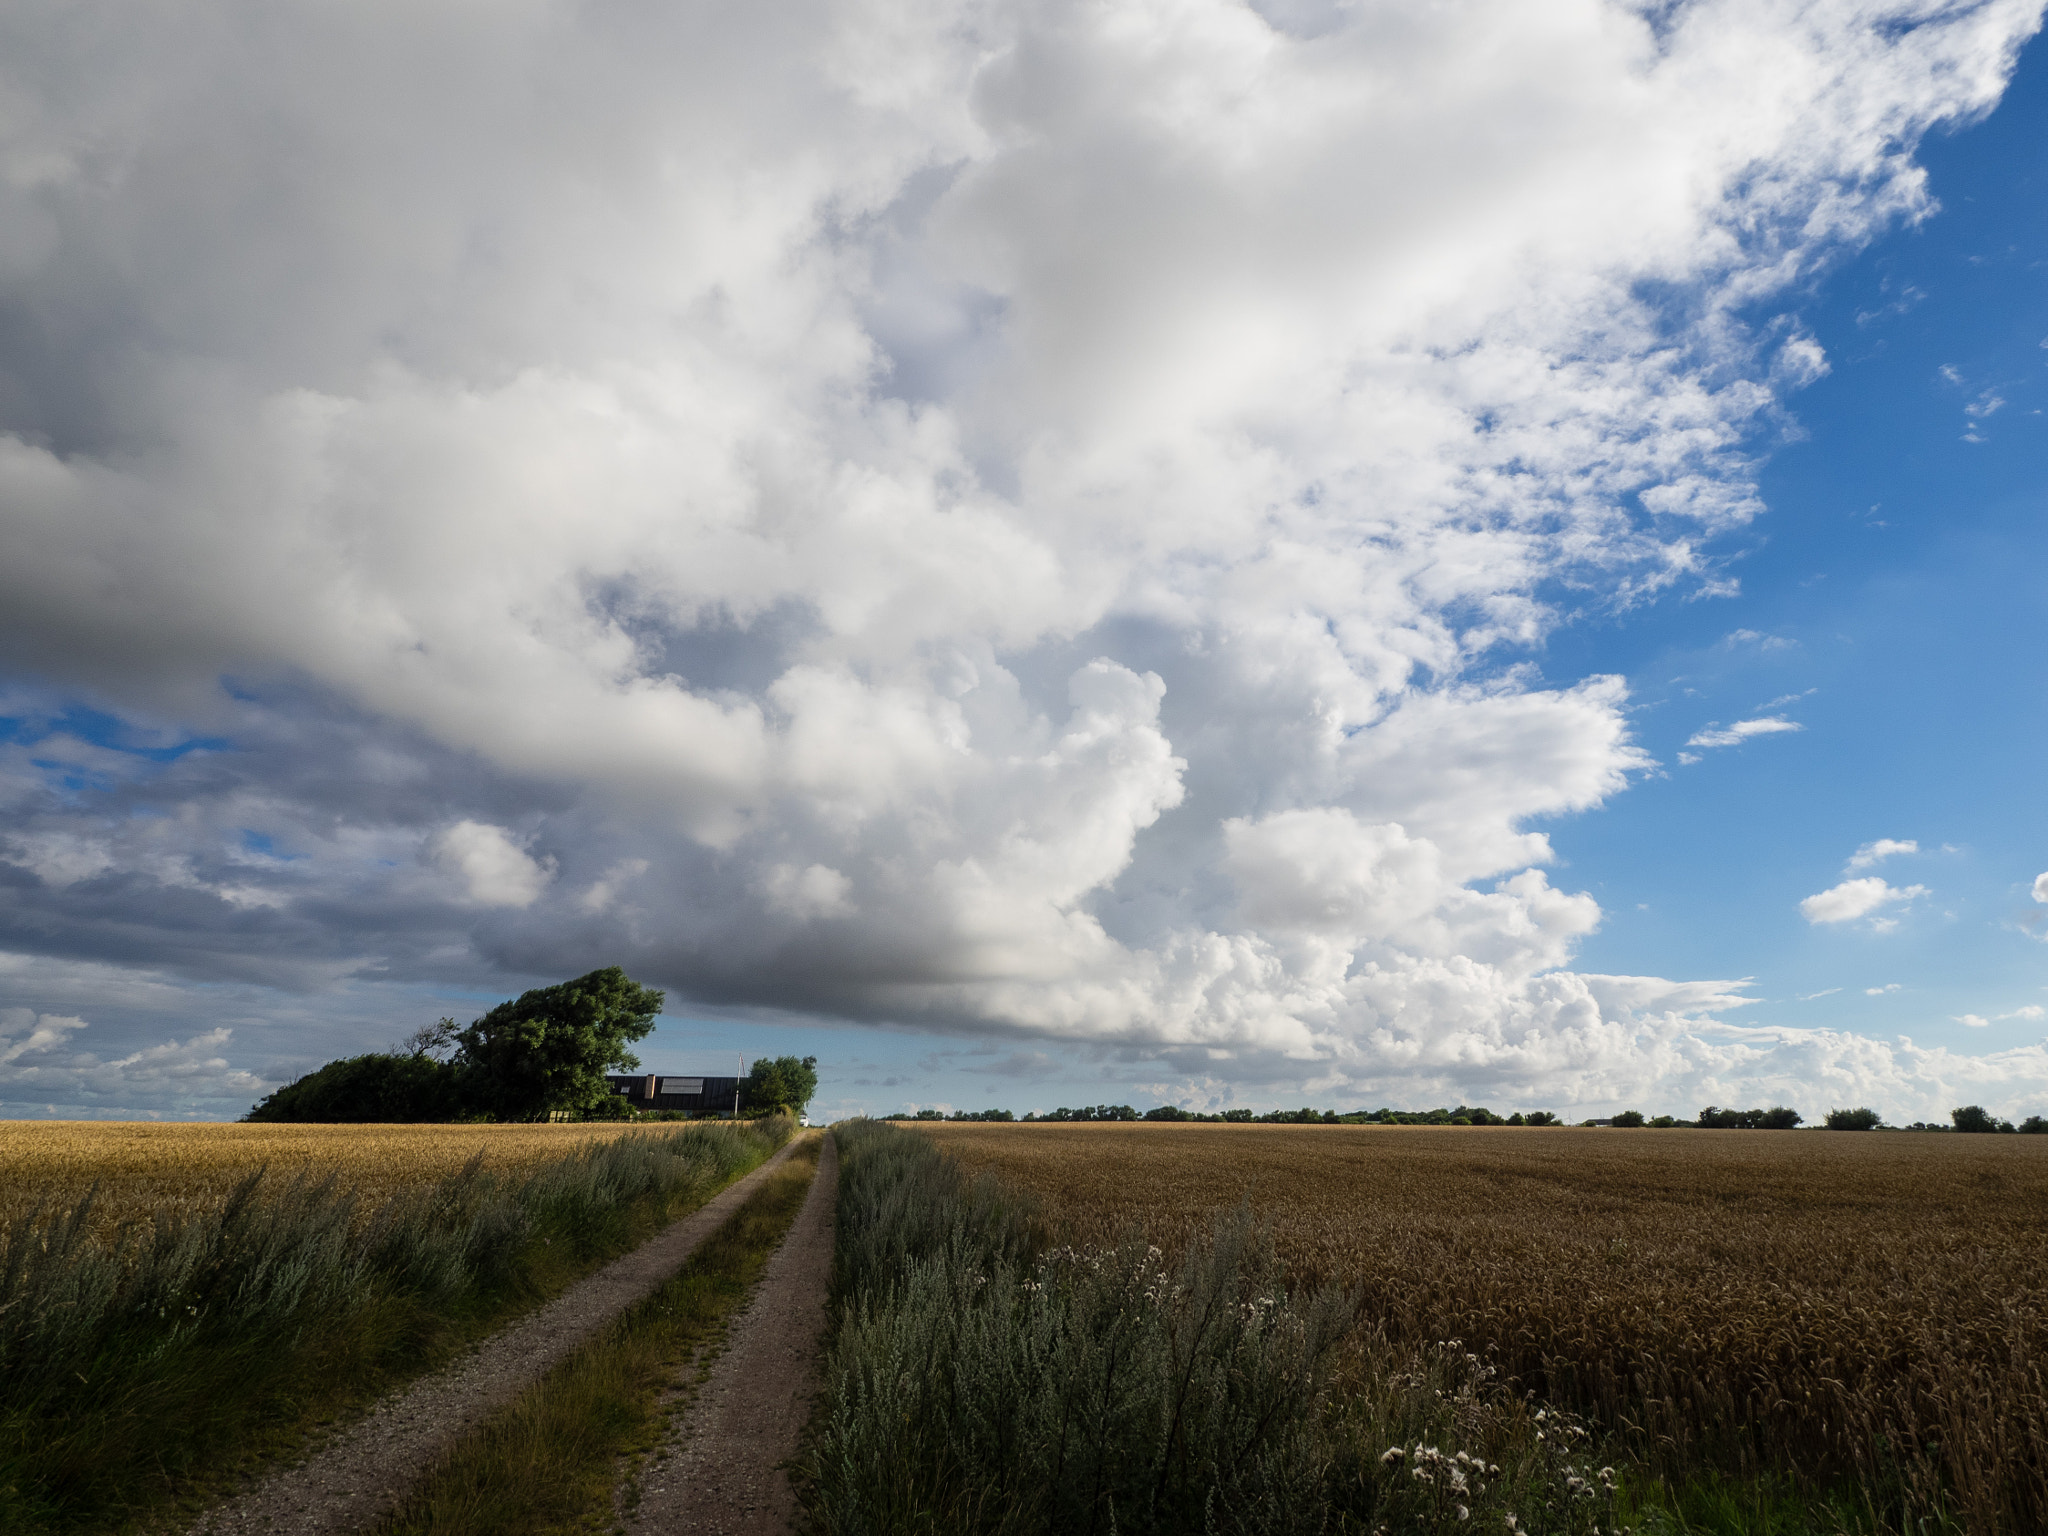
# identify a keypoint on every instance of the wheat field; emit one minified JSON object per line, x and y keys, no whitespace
{"x":145,"y":1170}
{"x":1863,"y":1306}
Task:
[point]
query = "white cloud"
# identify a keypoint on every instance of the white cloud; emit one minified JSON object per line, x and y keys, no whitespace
{"x":1759,"y":639}
{"x":1047,"y":488}
{"x":1974,"y":1020}
{"x":494,"y":869}
{"x":806,"y":894}
{"x":41,"y":1062}
{"x":1890,"y":986}
{"x":2027,"y":1011}
{"x":1852,"y":899}
{"x":602,"y":894}
{"x":2041,"y":888}
{"x":1741,"y":731}
{"x":1871,"y":854}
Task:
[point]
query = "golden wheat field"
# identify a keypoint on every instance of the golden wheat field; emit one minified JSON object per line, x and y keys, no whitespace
{"x":1853,"y":1304}
{"x":145,"y":1169}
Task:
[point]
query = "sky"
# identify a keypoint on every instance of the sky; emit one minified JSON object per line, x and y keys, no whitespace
{"x":1200,"y":553}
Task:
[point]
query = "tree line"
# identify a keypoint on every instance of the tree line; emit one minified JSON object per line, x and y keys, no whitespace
{"x":542,"y":1054}
{"x":1778,"y":1117}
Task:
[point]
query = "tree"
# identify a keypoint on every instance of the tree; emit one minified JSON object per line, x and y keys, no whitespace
{"x":1974,"y":1117}
{"x":782,"y":1082}
{"x":1629,"y":1119}
{"x":1853,"y":1120}
{"x":373,"y":1088}
{"x":550,"y":1048}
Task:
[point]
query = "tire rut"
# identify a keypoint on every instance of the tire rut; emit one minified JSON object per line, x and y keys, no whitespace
{"x":725,"y":1471}
{"x":362,"y":1473}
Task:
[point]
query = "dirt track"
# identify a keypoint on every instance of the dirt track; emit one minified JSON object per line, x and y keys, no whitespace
{"x":724,"y":1472}
{"x":359,"y":1476}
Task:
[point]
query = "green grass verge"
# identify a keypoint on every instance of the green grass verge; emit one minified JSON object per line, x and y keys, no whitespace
{"x":554,"y":1460}
{"x":1713,"y":1503}
{"x":139,"y":1385}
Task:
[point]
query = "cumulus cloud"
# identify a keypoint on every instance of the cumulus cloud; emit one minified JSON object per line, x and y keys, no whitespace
{"x":1023,"y":520}
{"x":2041,"y":888}
{"x":1872,"y":854}
{"x":43,"y":1065}
{"x":1852,"y":899}
{"x":1973,"y":1020}
{"x":494,"y":870}
{"x":1741,"y":731}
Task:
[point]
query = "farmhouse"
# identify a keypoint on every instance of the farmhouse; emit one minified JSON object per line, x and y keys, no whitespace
{"x":660,"y":1090}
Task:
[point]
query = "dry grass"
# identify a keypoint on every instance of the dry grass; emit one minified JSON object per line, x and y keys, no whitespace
{"x":146,"y":1170}
{"x":1858,"y":1306}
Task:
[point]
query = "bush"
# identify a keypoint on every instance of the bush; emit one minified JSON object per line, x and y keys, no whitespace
{"x":1629,"y":1119}
{"x":2034,"y":1125}
{"x":1853,"y":1120}
{"x":1543,"y":1117}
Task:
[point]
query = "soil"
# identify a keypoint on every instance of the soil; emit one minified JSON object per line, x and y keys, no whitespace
{"x":358,"y":1476}
{"x":725,"y":1471}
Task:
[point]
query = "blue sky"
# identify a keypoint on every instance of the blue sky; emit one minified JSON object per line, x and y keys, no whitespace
{"x":1218,"y":554}
{"x":1895,"y":586}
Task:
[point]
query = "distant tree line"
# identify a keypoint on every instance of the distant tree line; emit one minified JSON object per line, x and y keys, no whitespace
{"x":1462,"y":1115}
{"x":1713,"y":1118}
{"x":544,"y":1053}
{"x":1969,"y":1118}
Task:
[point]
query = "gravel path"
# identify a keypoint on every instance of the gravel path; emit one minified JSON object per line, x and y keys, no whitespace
{"x":724,"y":1471}
{"x":359,"y":1475}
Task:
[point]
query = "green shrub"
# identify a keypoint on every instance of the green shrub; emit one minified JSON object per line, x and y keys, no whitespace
{"x":1853,"y":1120}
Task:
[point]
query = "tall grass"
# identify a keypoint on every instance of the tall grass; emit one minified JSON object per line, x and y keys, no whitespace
{"x":552,"y":1460}
{"x":1865,"y":1313}
{"x":981,"y":1383}
{"x":137,"y":1366}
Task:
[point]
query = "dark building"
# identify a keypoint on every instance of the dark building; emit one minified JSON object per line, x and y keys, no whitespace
{"x":663,"y":1090}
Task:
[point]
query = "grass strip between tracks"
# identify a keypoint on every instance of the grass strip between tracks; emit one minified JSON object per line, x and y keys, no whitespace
{"x":553,"y":1460}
